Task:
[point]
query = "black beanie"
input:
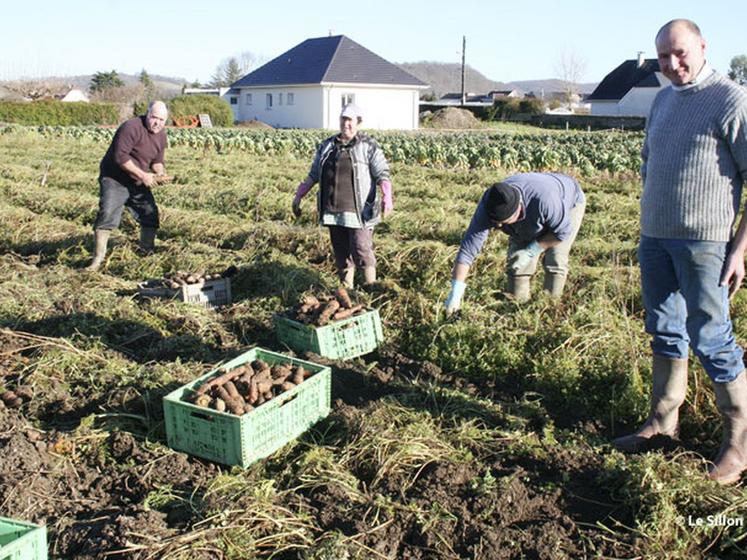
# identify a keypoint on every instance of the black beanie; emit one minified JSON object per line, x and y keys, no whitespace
{"x":503,"y":200}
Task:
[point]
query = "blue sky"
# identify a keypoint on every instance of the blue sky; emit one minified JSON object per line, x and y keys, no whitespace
{"x":505,"y":40}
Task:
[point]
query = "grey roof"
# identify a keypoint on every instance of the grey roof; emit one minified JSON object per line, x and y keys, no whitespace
{"x":328,"y":59}
{"x":625,"y":77}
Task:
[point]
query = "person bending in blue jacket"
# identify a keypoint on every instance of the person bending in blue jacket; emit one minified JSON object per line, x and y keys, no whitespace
{"x":541,"y":213}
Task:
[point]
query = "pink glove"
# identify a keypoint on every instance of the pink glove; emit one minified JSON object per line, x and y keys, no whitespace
{"x":303,"y":188}
{"x":387,"y":203}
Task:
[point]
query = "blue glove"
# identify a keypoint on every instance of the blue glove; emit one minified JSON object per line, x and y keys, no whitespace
{"x":523,"y":257}
{"x":454,"y":301}
{"x":534,"y":249}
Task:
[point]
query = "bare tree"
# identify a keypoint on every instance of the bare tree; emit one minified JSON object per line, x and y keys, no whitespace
{"x":570,"y":69}
{"x":39,"y":89}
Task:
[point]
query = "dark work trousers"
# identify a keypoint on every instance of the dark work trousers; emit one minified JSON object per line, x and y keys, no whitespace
{"x":352,"y":247}
{"x":114,"y":196}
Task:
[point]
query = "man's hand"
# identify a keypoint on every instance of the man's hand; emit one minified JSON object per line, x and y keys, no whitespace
{"x":454,"y":300}
{"x":163,"y":179}
{"x":148,"y":179}
{"x":734,"y":272}
{"x":296,"y":207}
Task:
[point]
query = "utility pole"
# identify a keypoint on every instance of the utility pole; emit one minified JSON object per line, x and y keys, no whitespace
{"x":464,"y":46}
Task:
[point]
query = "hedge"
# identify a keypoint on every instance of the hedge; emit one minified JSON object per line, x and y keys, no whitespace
{"x":58,"y":113}
{"x":218,"y":109}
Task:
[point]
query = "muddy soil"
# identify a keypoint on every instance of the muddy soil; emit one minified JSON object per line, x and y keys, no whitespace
{"x":95,"y":486}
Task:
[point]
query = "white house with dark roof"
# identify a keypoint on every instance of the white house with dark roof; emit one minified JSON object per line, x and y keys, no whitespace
{"x":307,"y":86}
{"x":629,"y":90}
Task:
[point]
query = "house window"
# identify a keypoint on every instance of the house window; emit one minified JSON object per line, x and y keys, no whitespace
{"x":348,"y":98}
{"x":280,"y":98}
{"x":269,"y":101}
{"x":234,"y":100}
{"x":290,"y":98}
{"x":248,"y":98}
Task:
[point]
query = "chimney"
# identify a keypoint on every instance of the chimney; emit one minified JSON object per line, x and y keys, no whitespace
{"x":641,"y":59}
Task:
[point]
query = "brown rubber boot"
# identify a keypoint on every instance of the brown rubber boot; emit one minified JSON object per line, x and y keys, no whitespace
{"x":100,"y":241}
{"x":669,"y":387}
{"x":347,"y":277}
{"x":519,"y":287}
{"x":147,"y":240}
{"x":554,"y":283}
{"x":731,"y":399}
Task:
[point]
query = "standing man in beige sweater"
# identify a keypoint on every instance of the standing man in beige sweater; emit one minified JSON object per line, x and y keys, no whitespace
{"x":694,"y":167}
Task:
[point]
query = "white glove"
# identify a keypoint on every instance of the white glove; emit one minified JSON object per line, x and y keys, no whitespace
{"x":454,"y":300}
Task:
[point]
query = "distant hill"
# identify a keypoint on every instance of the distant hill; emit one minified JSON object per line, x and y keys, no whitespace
{"x":165,"y":85}
{"x":445,"y":77}
{"x":162,"y":83}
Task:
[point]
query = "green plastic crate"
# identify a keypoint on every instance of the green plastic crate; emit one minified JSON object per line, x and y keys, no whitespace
{"x":242,"y":440}
{"x":209,"y":294}
{"x":22,"y":541}
{"x":340,"y":340}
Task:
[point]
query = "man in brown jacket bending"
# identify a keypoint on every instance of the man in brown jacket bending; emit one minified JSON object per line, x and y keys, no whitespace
{"x":132,"y":165}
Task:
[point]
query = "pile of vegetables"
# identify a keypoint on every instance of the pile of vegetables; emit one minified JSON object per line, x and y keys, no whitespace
{"x":242,"y":389}
{"x":321,"y":310}
{"x":181,"y":278}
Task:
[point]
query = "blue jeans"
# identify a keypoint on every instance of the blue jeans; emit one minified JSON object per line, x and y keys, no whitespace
{"x":686,"y":305}
{"x":114,"y":197}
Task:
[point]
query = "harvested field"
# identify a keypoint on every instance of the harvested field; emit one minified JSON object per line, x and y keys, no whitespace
{"x":483,"y":437}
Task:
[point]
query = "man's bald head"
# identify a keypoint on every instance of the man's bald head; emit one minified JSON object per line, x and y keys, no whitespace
{"x":680,"y":48}
{"x":156,"y":117}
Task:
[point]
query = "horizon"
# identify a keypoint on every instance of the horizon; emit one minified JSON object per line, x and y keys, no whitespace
{"x":74,"y":38}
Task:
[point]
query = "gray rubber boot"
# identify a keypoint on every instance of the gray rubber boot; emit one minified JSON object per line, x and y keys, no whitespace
{"x":347,"y":277}
{"x":147,"y":240}
{"x":668,"y":391}
{"x":554,"y":283}
{"x":519,"y":287}
{"x":731,"y":399}
{"x":100,"y":242}
{"x":369,"y":275}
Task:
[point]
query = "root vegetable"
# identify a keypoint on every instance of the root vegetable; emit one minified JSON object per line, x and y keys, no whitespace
{"x":329,"y":309}
{"x":235,"y":407}
{"x":219,"y":405}
{"x":232,"y":391}
{"x":341,"y":294}
{"x":259,"y":365}
{"x":346,"y":313}
{"x":264,"y":386}
{"x":287,"y":386}
{"x":203,"y":401}
{"x":220,"y":380}
{"x":221,"y":393}
{"x":311,"y":301}
{"x":25,"y":392}
{"x":8,"y":397}
{"x":279,"y":371}
{"x":253,"y":392}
